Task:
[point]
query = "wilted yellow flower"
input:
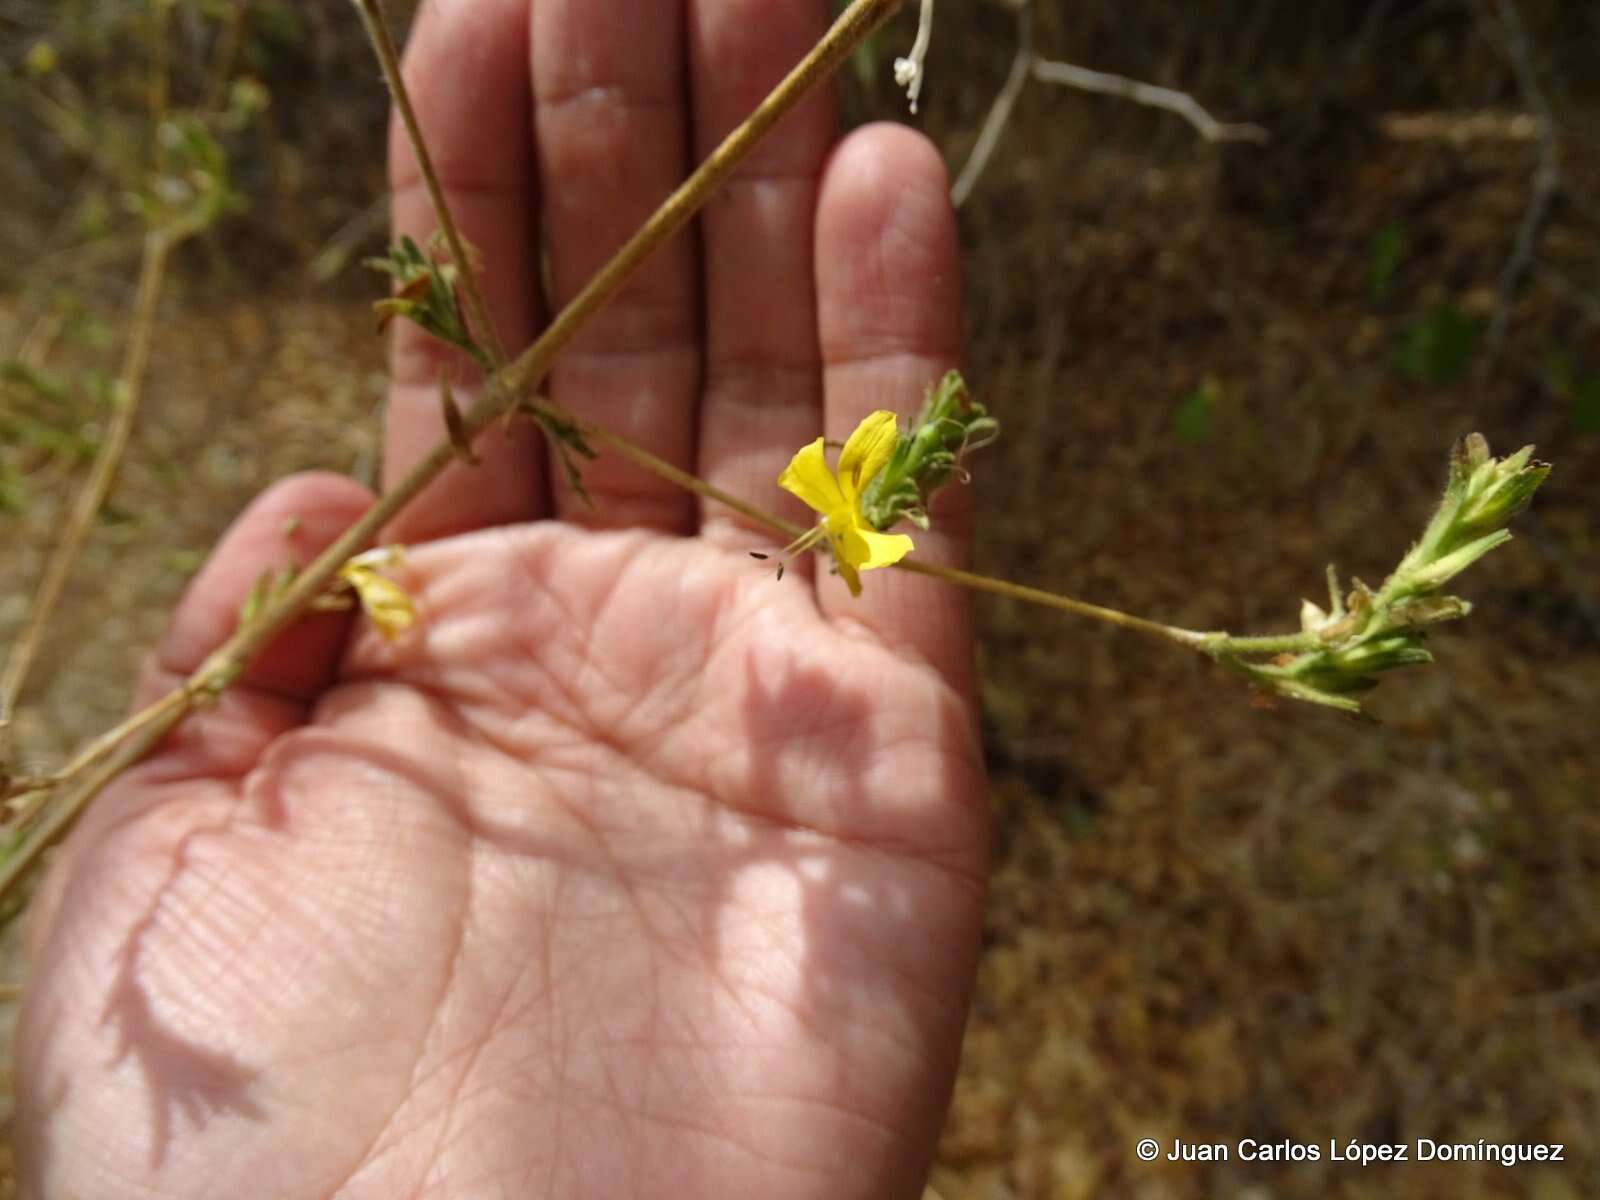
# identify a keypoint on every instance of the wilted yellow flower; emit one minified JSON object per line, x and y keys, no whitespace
{"x":41,"y":59}
{"x":387,"y":605}
{"x":856,"y":545}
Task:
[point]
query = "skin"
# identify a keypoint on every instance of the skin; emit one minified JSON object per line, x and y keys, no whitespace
{"x":629,"y":871}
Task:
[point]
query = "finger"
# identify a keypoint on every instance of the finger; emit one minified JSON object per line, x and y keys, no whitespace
{"x":287,"y":525}
{"x":613,"y":143}
{"x":466,"y":68}
{"x":763,"y":372}
{"x":888,"y":286}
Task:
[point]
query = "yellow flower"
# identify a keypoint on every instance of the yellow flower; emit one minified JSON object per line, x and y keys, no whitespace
{"x":387,"y":604}
{"x":42,"y":58}
{"x":856,"y":545}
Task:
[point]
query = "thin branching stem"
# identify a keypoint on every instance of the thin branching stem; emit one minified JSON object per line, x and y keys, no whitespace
{"x":999,"y":111}
{"x":389,"y":59}
{"x":1026,"y":64}
{"x":64,"y":809}
{"x":511,"y":389}
{"x":157,"y":248}
{"x":1546,"y":180}
{"x":230,"y":37}
{"x":692,"y":483}
{"x":152,"y":269}
{"x":174,"y":701}
{"x":130,"y":380}
{"x":504,"y":390}
{"x":1193,"y":639}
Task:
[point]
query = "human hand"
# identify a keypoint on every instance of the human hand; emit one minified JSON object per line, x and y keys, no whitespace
{"x":629,"y":871}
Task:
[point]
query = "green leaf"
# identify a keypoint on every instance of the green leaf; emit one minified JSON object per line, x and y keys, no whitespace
{"x":426,"y":296}
{"x":13,"y":496}
{"x":1437,"y":349}
{"x":1191,"y":420}
{"x":1586,"y":405}
{"x":183,"y":562}
{"x":1388,"y":248}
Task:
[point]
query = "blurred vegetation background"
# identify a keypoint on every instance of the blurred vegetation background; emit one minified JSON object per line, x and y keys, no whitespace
{"x":1218,"y":367}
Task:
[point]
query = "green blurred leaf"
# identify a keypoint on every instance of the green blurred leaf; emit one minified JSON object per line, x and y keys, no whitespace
{"x":1586,"y":405}
{"x":183,"y":562}
{"x":1438,"y":349}
{"x":13,"y":495}
{"x":43,"y":384}
{"x":1388,"y":248}
{"x":1191,"y":420}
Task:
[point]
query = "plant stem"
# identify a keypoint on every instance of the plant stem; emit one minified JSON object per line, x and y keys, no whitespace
{"x":175,"y":700}
{"x":503,"y":390}
{"x":59,"y":816}
{"x":693,"y":483}
{"x":152,"y":270}
{"x":383,"y":45}
{"x":157,"y":247}
{"x":1193,"y":639}
{"x":1220,"y":644}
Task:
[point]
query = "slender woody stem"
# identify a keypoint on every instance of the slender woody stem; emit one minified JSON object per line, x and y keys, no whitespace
{"x":383,"y":45}
{"x":503,"y":390}
{"x":1193,"y":639}
{"x":152,"y":270}
{"x":509,"y":388}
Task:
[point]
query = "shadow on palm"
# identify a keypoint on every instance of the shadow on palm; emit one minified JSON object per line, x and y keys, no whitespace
{"x":625,"y":834}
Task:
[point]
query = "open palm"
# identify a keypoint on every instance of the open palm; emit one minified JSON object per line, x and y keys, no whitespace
{"x":630,"y":871}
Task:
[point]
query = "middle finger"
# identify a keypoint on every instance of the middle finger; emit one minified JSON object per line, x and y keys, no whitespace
{"x":763,"y":395}
{"x":613,"y":139}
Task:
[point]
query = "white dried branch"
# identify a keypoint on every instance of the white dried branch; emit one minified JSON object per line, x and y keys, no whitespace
{"x":1026,"y":64}
{"x":1173,"y":101}
{"x":999,"y":111}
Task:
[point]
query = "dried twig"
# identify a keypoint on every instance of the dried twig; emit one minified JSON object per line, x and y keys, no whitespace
{"x":1000,"y":111}
{"x":378,"y":32}
{"x":226,"y":53}
{"x":1181,"y":103}
{"x":158,"y":244}
{"x":1026,"y":64}
{"x":1546,"y":172}
{"x":151,"y":271}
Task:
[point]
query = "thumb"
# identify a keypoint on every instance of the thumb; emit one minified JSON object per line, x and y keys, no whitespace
{"x":290,"y":523}
{"x":287,"y":525}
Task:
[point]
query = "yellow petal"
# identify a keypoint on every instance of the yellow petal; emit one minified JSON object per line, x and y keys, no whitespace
{"x":864,"y":548}
{"x":808,"y":477}
{"x":866,"y":453}
{"x":885,"y":549}
{"x":847,"y":572}
{"x":385,"y":602}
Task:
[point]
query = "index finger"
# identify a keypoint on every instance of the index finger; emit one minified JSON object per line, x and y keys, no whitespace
{"x":466,"y":69}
